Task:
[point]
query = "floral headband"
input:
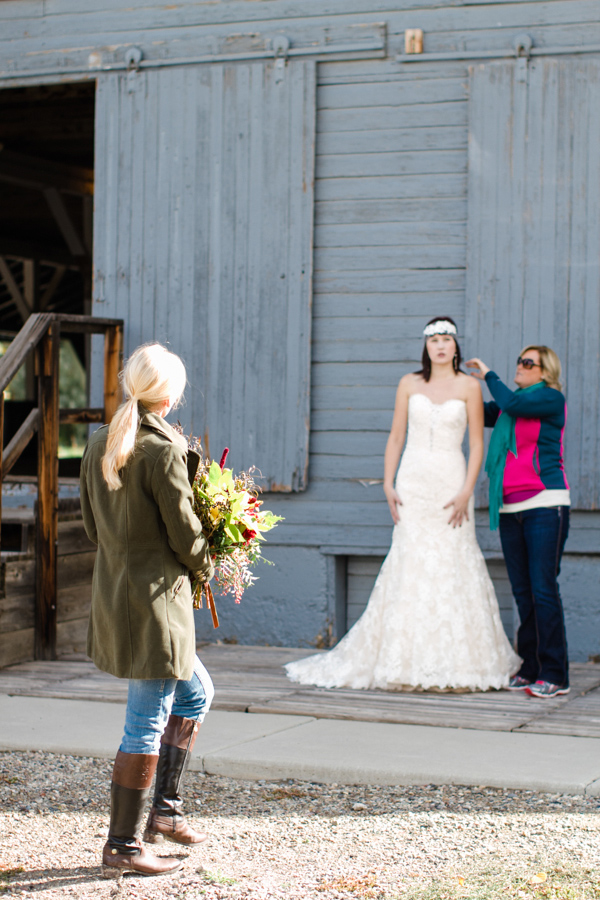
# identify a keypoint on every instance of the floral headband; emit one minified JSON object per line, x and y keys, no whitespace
{"x":442,"y":326}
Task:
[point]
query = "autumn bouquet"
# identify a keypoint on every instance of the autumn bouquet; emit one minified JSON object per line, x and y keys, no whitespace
{"x":234,"y":524}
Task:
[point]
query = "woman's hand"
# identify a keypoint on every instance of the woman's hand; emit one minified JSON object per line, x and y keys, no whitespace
{"x":461,"y":509}
{"x":394,"y":502}
{"x":476,"y":363}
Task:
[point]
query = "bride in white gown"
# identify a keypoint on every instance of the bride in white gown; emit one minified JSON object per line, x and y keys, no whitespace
{"x":432,"y":621}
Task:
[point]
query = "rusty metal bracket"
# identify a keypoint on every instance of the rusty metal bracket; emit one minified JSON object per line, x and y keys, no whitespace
{"x":281,"y":49}
{"x":133,"y":58}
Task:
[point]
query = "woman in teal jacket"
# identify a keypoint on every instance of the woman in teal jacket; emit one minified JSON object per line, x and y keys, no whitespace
{"x":529,"y":500}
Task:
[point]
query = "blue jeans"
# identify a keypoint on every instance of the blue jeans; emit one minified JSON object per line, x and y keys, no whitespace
{"x":150,"y":702}
{"x":533,"y":542}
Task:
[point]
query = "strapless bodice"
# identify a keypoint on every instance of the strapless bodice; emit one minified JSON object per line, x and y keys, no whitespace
{"x":435,"y":427}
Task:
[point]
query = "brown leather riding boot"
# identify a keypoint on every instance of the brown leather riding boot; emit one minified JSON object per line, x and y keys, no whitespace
{"x":123,"y":851}
{"x":166,"y":819}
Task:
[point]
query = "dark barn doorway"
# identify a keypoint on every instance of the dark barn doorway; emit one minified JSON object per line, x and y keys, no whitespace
{"x":46,"y":216}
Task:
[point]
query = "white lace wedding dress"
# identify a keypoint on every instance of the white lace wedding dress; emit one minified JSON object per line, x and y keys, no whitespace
{"x":432,"y":620}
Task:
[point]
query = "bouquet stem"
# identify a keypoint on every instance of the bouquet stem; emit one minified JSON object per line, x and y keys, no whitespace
{"x":203,"y":590}
{"x":210,"y":602}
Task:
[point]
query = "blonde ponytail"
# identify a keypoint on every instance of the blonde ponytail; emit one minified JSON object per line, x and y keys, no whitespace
{"x":152,"y":375}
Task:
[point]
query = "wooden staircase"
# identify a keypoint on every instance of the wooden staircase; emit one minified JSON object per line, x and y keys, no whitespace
{"x":40,"y":336}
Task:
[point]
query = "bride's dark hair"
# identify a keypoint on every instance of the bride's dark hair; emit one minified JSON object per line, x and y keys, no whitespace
{"x":425,"y":371}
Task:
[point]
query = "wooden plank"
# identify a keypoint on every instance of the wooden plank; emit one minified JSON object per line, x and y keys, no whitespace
{"x":388,"y":282}
{"x":16,"y":646}
{"x":113,"y":350}
{"x":15,"y":292}
{"x":87,"y":416}
{"x":239,"y":11}
{"x":47,"y":516}
{"x":17,"y":611}
{"x":347,"y":420}
{"x":375,"y":259}
{"x":373,"y":119}
{"x":39,"y":174}
{"x":586,"y":368}
{"x":209,"y":138}
{"x":64,"y":221}
{"x":72,"y":324}
{"x":418,"y":162}
{"x":392,"y":140}
{"x":43,"y":252}
{"x":344,"y":96}
{"x":1,"y":450}
{"x":71,"y":635}
{"x":358,"y":397}
{"x":75,"y":569}
{"x":372,"y":374}
{"x":20,"y":440}
{"x":366,"y":234}
{"x":252,"y":679}
{"x":363,"y":351}
{"x":382,"y":187}
{"x":24,"y":343}
{"x":532,"y":266}
{"x":425,"y":209}
{"x":72,"y":538}
{"x":411,"y":306}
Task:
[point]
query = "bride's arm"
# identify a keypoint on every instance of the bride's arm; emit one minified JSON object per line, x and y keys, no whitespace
{"x":393,"y":448}
{"x":475,"y":420}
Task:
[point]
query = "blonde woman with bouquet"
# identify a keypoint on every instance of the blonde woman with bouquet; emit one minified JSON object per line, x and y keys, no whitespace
{"x":137,"y":502}
{"x":432,"y":621}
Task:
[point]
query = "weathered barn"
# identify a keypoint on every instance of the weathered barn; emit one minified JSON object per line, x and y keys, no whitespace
{"x":285,"y":192}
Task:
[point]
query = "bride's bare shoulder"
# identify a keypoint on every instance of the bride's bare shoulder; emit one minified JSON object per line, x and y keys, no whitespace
{"x":469,"y":385}
{"x":410,"y":382}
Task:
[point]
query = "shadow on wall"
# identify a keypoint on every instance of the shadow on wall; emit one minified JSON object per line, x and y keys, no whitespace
{"x":287,"y":607}
{"x":579,"y":580}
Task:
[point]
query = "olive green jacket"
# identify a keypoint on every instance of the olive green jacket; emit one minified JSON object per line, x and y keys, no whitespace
{"x":148,"y":537}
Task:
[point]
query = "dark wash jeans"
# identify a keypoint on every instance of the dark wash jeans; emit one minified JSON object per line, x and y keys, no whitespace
{"x":533,"y":542}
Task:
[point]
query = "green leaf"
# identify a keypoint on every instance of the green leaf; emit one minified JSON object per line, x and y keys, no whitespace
{"x":214,"y":473}
{"x":234,"y":533}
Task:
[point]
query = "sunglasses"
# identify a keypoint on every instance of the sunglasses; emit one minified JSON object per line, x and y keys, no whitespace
{"x":527,"y":363}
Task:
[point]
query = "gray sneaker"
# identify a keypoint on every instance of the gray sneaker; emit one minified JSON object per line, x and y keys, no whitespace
{"x":517,"y":683}
{"x":546,"y":689}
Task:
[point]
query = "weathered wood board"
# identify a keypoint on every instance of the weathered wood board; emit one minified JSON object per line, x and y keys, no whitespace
{"x":251,"y":679}
{"x":76,"y":555}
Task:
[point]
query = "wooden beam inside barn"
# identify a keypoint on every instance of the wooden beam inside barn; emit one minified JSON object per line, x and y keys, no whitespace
{"x":33,"y":172}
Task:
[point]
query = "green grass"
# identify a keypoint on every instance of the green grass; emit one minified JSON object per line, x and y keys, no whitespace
{"x":562,"y":883}
{"x":217,"y":877}
{"x":6,"y":875}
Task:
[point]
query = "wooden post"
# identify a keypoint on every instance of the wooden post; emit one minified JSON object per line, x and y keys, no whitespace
{"x":47,"y":516}
{"x":1,"y":451}
{"x":113,"y":354}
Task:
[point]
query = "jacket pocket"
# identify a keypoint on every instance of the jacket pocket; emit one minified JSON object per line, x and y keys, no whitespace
{"x":536,"y":460}
{"x":178,"y":585}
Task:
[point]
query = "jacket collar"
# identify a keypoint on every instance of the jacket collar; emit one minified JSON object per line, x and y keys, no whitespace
{"x":158,"y":424}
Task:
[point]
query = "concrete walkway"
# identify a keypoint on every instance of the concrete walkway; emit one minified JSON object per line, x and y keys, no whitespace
{"x":257,"y":746}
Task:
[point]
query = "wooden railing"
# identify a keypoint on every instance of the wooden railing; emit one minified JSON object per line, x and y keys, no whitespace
{"x":41,"y":335}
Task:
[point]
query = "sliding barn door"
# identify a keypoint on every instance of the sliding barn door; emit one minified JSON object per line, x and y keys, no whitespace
{"x":534,"y":235}
{"x":203,"y":240}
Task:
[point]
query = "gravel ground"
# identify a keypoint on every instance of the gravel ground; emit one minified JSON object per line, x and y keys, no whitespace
{"x":296,"y":840}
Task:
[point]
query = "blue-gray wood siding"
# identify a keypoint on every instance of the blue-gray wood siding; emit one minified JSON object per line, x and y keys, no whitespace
{"x":203,"y":240}
{"x":362,"y":572}
{"x":533,"y":273}
{"x":387,"y":208}
{"x":390,"y":249}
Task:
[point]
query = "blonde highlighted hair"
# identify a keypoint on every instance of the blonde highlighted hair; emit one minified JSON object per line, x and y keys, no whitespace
{"x":550,"y":364}
{"x":152,"y":375}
